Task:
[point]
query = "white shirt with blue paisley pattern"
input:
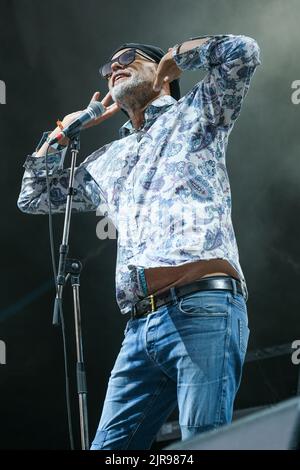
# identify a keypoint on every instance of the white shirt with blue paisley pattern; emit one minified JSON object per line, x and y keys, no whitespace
{"x":165,"y":187}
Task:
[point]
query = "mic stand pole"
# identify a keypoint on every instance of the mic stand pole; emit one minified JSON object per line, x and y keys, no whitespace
{"x":70,"y":267}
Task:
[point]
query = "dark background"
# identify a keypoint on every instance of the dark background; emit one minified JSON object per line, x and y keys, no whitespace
{"x":50,"y":52}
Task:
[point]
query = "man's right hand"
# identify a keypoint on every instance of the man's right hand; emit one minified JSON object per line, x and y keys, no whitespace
{"x":110,"y":110}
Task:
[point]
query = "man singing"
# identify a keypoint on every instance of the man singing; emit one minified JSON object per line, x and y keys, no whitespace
{"x":164,"y":185}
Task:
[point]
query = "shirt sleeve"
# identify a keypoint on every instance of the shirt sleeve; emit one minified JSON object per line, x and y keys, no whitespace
{"x":230,"y":62}
{"x":33,"y":198}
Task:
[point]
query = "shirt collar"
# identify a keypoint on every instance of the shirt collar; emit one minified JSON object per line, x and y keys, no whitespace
{"x":152,"y":112}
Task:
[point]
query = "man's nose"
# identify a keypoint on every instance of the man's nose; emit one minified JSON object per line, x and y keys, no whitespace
{"x":116,"y":66}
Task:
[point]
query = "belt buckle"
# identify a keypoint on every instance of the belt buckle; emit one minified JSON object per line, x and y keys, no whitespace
{"x":152,"y":303}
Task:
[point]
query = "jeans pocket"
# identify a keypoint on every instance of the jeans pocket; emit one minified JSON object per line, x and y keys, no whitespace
{"x":238,"y":301}
{"x":204,"y":304}
{"x":211,"y":308}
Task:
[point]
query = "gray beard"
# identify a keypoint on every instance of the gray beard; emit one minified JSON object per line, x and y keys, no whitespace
{"x":133,"y":93}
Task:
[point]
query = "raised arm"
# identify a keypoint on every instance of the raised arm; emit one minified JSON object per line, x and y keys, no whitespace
{"x":230,"y":62}
{"x":33,"y":198}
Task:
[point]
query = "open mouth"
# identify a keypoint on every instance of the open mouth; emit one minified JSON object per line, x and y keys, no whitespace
{"x":119,"y":77}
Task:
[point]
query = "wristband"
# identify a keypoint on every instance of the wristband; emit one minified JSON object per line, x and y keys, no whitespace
{"x":57,"y":145}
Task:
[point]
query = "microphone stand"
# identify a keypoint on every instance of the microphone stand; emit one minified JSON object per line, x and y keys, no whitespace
{"x":66,"y":268}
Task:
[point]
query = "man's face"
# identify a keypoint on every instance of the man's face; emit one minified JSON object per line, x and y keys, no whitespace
{"x":126,"y":79}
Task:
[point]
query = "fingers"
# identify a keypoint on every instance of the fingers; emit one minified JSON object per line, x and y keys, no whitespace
{"x":159,"y":81}
{"x":114,"y":108}
{"x":111,"y":110}
{"x":167,"y":71}
{"x":95,"y":96}
{"x":107,"y":99}
{"x":163,"y":72}
{"x":166,"y":75}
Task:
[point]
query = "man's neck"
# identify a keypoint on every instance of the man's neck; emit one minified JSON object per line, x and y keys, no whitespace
{"x":137,"y":116}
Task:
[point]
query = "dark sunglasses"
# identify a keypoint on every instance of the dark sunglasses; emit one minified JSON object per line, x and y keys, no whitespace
{"x":123,"y":59}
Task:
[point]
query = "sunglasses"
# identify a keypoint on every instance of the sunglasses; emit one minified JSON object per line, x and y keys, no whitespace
{"x":123,"y":59}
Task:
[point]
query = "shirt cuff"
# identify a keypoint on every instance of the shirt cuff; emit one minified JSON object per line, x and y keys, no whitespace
{"x":37,"y":165}
{"x":55,"y":159}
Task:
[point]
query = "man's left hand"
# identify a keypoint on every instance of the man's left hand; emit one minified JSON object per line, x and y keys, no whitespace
{"x":167,"y":71}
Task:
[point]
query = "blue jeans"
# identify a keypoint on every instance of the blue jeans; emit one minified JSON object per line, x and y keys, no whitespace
{"x":191,"y":353}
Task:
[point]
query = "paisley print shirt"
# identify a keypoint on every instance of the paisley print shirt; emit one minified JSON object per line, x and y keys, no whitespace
{"x":165,"y":186}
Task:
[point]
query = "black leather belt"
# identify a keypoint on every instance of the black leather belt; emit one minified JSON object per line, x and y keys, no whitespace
{"x":153,"y":302}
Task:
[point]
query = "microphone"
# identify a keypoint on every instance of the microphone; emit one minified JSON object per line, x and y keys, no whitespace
{"x":93,"y":111}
